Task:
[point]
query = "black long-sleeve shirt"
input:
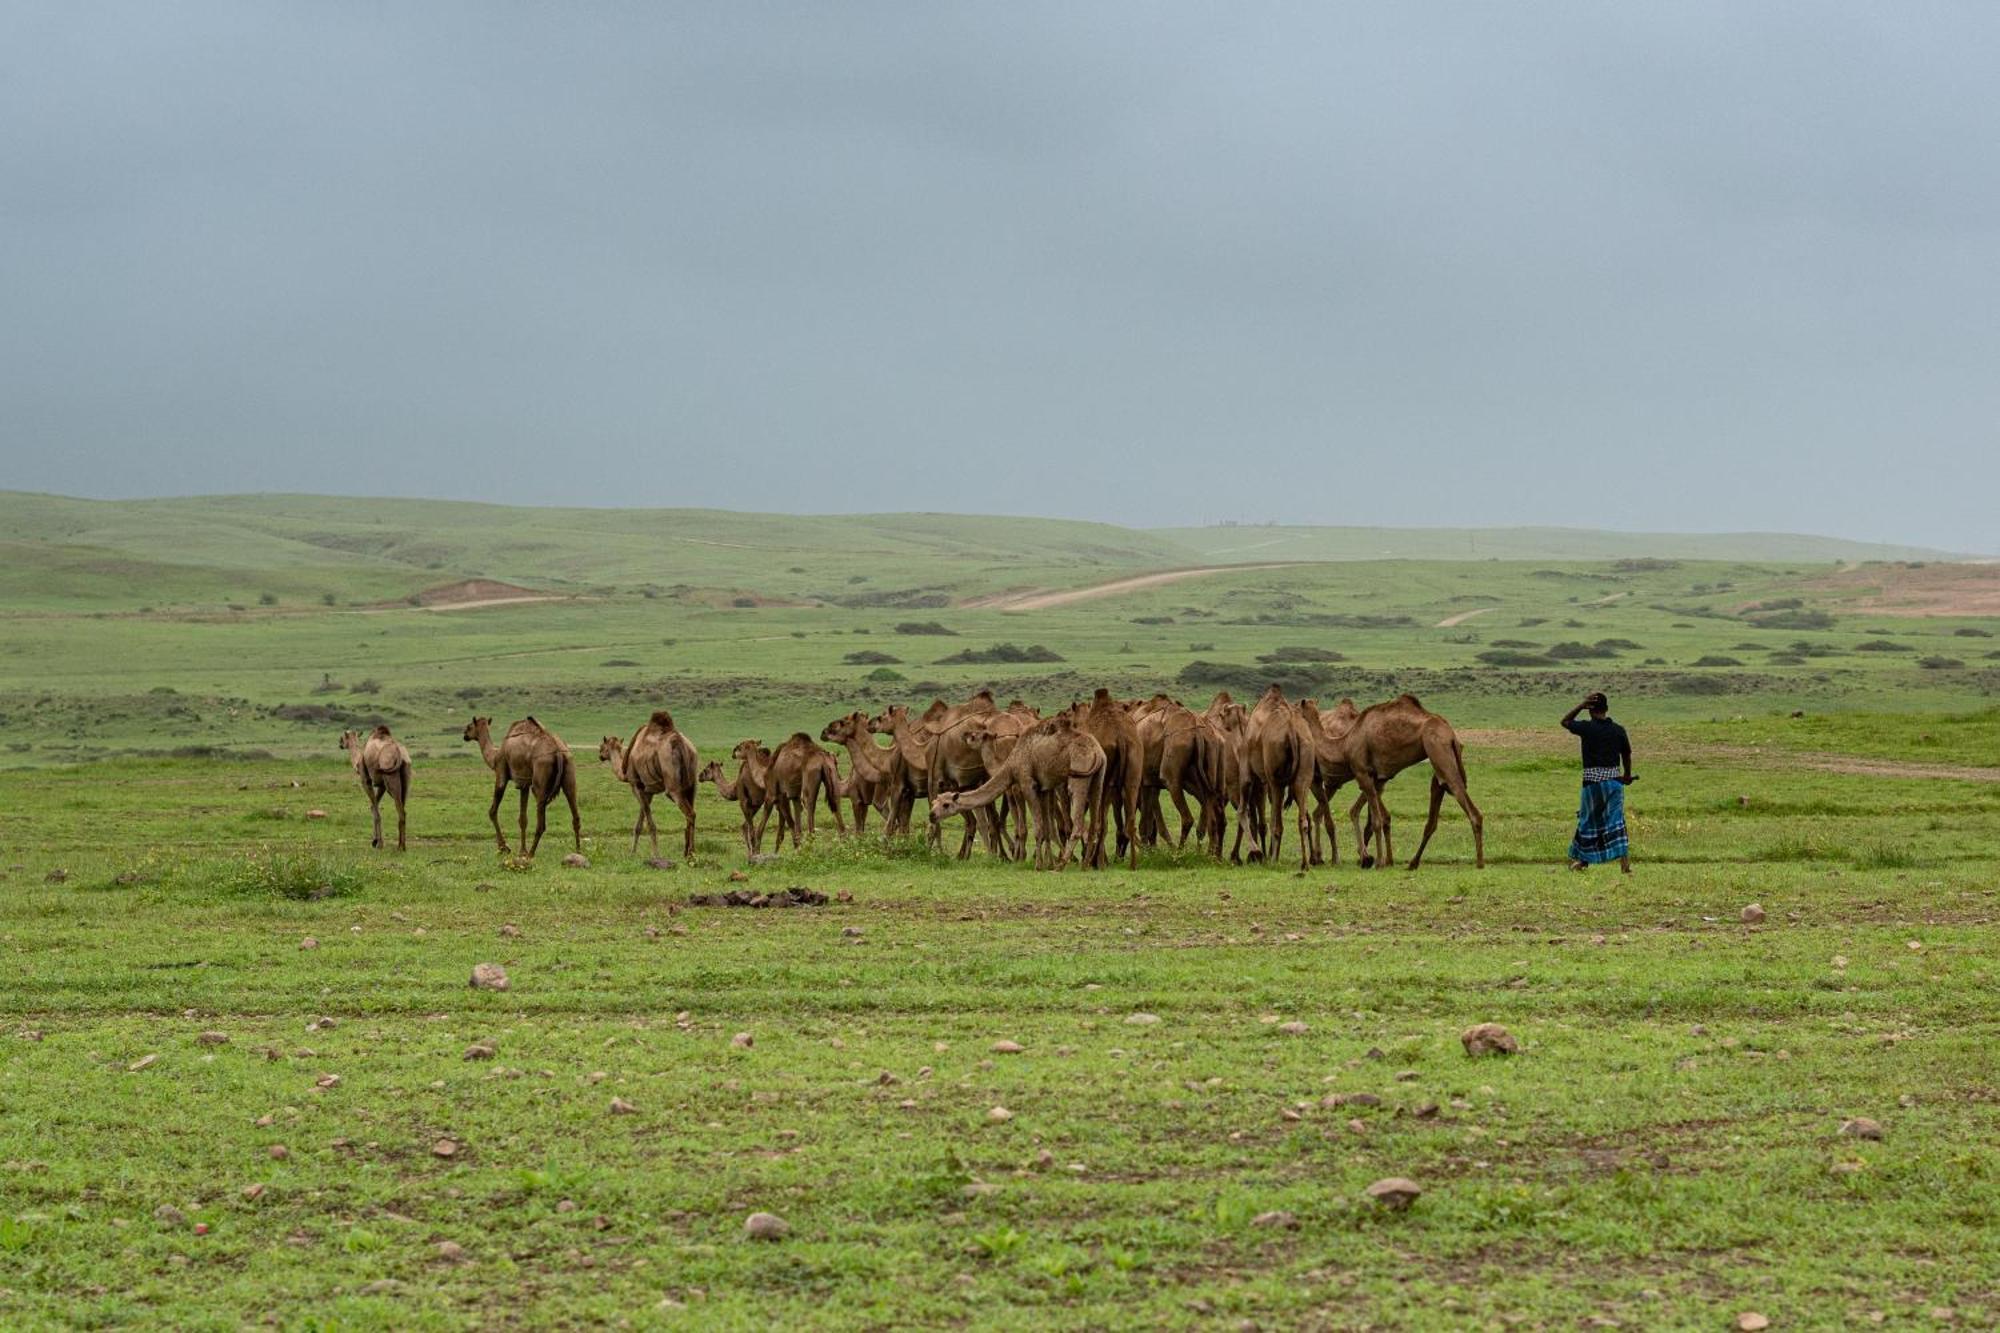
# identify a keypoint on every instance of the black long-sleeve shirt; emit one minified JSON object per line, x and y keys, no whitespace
{"x":1605,"y":744}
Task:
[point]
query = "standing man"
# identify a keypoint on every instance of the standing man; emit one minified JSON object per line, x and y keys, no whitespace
{"x":1607,"y":768}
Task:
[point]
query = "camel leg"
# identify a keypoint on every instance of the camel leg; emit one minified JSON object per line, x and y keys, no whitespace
{"x":541,"y":819}
{"x":493,"y":814}
{"x":399,"y":791}
{"x":375,"y":809}
{"x":639,"y":824}
{"x":575,"y":818}
{"x":1300,"y":794}
{"x":1362,"y":836}
{"x":686,"y":803}
{"x":1430,"y":823}
{"x":525,"y":848}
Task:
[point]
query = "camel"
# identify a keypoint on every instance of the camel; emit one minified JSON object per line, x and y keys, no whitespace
{"x":534,"y":759}
{"x":383,"y":765}
{"x":751,"y":791}
{"x":798,"y":773}
{"x":1331,"y":771}
{"x":956,"y":764}
{"x":1051,"y":760}
{"x":1185,"y":753}
{"x":910,"y":758}
{"x":1125,"y":760}
{"x":868,"y":780}
{"x":742,"y":792}
{"x":659,"y":760}
{"x":1390,"y":737}
{"x":1278,"y":768}
{"x":1226,"y":720}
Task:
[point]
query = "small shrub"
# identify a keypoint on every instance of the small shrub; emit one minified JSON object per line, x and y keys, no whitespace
{"x":1572,"y":651}
{"x":1881,"y":856}
{"x":1716,"y":660}
{"x":743,"y":603}
{"x":1201,"y":647}
{"x":1972,"y":632}
{"x":267,"y":599}
{"x":326,"y":599}
{"x":368,"y":685}
{"x":1940,"y":663}
{"x":1003,"y":653}
{"x":885,"y":674}
{"x":870,"y":657}
{"x":297,"y":874}
{"x":924,"y":627}
{"x":1302,"y":654}
{"x":1508,"y":657}
{"x":618,"y":662}
{"x":1152,"y":620}
{"x":1883,"y":646}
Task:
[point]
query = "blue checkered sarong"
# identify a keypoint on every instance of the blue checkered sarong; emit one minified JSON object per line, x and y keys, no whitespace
{"x":1600,"y":824}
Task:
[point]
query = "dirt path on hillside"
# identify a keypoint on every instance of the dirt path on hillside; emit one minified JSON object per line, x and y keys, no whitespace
{"x":467,"y":606}
{"x":1041,"y":599}
{"x":1462,"y":617}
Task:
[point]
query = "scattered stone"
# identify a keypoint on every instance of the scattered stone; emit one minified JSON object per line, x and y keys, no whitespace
{"x":1750,"y":1321}
{"x":1004,"y":1047}
{"x":1294,"y":1028}
{"x":315,"y":814}
{"x":484,"y":887}
{"x":254,"y":1192}
{"x":1425,"y":1110}
{"x":1488,"y":1039}
{"x":658,"y":863}
{"x":742,"y":1041}
{"x":489,"y":976}
{"x":1375,"y":1053}
{"x":169,"y":1214}
{"x":327,"y":1081}
{"x":309,"y":943}
{"x":211,"y":1039}
{"x":278,"y":1152}
{"x":1394,"y":1192}
{"x":999,"y":1115}
{"x":619,"y":1106}
{"x":577,"y":861}
{"x":1752,"y":914}
{"x":851,"y":932}
{"x":885,"y":1079}
{"x":1277,"y":1218}
{"x":510,"y":931}
{"x":1861,"y":1127}
{"x":56,"y":876}
{"x":766,"y":1226}
{"x":445,"y":1148}
{"x":738,"y":877}
{"x":1142,"y":1020}
{"x":1406,"y":1075}
{"x":451,"y":1251}
{"x":143,"y":1062}
{"x":1357,"y":1126}
{"x":481,"y":1050}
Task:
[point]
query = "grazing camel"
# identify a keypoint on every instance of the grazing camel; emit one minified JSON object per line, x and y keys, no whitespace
{"x":1390,"y":737}
{"x":956,"y":763}
{"x":868,"y":782}
{"x":910,"y":763}
{"x":534,"y":759}
{"x":1050,"y":761}
{"x":383,"y":765}
{"x":1278,"y":769}
{"x":1170,"y":736}
{"x":659,"y":761}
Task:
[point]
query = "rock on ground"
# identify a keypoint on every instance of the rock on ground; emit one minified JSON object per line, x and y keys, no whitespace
{"x":766,"y":1226}
{"x":1488,"y":1039}
{"x":489,"y":976}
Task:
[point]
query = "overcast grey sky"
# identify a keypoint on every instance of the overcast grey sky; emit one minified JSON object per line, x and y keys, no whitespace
{"x":1684,"y":266}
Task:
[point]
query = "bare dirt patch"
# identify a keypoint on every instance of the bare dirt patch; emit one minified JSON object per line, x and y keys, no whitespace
{"x":1041,"y":599}
{"x":466,"y":595}
{"x":1462,"y":617}
{"x":1919,"y":590}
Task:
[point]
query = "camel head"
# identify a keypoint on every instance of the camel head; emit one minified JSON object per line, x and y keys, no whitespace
{"x":886,"y":722}
{"x":609,"y":749}
{"x":1273,"y":693}
{"x":478,"y":727}
{"x":945,"y":806}
{"x":979,"y":735}
{"x":844,"y":729}
{"x":349,"y":741}
{"x":710,"y":771}
{"x":747,"y":750}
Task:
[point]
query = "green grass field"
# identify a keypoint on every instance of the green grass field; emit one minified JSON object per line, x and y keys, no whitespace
{"x":1663,"y":1152}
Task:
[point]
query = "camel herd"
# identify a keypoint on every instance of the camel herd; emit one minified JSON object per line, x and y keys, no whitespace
{"x":1090,"y":775}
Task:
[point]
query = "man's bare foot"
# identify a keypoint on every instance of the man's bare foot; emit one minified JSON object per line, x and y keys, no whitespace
{"x":1578,"y":865}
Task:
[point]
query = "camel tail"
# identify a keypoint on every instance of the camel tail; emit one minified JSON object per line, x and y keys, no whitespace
{"x":558,"y":775}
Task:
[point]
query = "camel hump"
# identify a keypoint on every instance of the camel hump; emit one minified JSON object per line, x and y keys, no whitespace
{"x":1102,"y":695}
{"x":1410,"y":699}
{"x":381,"y":732}
{"x":802,"y":738}
{"x":663,"y":719}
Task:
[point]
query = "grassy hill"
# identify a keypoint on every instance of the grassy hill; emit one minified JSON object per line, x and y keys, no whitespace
{"x":1233,"y":545}
{"x":289,"y":550}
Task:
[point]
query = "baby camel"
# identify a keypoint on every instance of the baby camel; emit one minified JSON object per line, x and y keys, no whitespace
{"x":383,"y":765}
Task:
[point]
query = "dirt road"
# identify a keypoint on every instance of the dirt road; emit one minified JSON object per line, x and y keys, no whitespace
{"x":1041,"y":599}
